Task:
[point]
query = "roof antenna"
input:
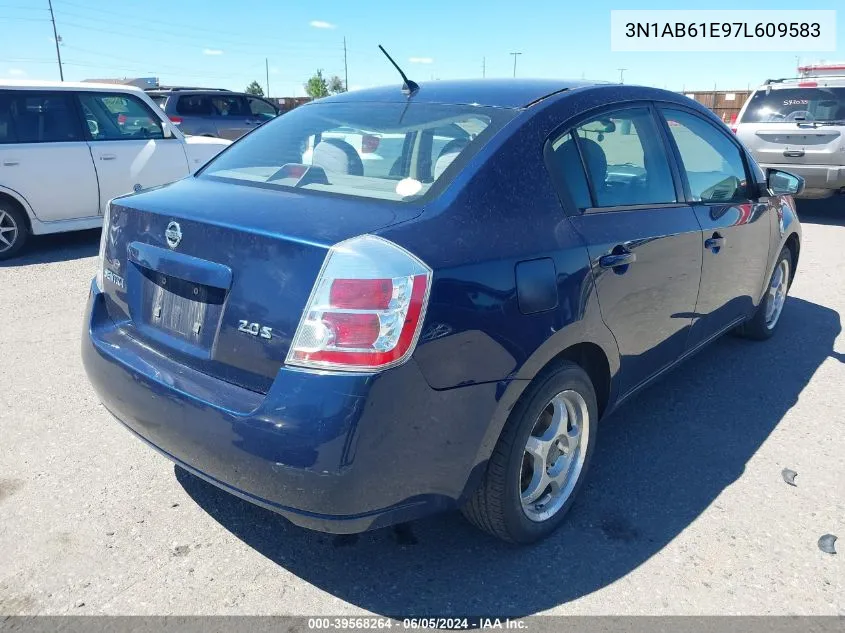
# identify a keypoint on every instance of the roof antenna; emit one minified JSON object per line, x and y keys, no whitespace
{"x":409,"y":87}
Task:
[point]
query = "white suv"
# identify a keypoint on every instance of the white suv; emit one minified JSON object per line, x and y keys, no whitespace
{"x":66,"y":149}
{"x":799,"y":125}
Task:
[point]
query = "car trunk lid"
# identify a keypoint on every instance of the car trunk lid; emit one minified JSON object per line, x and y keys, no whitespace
{"x":773,"y":143}
{"x":216,"y":275}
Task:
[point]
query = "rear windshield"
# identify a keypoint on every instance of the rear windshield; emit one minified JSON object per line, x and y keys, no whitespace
{"x":158,"y":99}
{"x":796,"y":104}
{"x":388,"y":151}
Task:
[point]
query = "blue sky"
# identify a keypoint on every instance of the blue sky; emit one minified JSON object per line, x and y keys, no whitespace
{"x":214,"y":43}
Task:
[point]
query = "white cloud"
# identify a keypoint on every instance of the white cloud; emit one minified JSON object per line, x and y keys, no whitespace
{"x":421,"y":60}
{"x":16,"y":72}
{"x":319,"y":24}
{"x":212,"y":51}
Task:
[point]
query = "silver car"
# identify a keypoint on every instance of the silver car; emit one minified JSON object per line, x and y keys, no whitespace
{"x":213,"y":112}
{"x":799,"y":125}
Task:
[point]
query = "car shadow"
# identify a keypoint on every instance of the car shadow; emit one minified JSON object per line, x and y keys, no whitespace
{"x":57,"y":247}
{"x":828,"y":211}
{"x":661,"y":460}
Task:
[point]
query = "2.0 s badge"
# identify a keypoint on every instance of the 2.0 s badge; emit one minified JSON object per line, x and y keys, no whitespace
{"x":255,"y":329}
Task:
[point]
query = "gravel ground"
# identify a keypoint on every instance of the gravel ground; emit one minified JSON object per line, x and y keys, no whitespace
{"x":686,"y":511}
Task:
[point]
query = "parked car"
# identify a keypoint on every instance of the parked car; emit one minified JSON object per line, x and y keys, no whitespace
{"x":213,"y":112}
{"x":66,"y":149}
{"x":352,"y":351}
{"x":799,"y":125}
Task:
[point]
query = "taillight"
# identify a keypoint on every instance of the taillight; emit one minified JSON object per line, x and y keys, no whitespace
{"x":121,"y":119}
{"x":366,"y":309}
{"x":101,"y":256}
{"x":175,"y":120}
{"x":369,"y":143}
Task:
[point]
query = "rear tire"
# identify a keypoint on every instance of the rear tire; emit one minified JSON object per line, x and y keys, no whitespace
{"x":14,"y":229}
{"x":766,"y":318}
{"x":549,"y":437}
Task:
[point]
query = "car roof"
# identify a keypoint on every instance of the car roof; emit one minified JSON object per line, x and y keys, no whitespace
{"x":819,"y":81}
{"x":29,"y":84}
{"x":498,"y":93}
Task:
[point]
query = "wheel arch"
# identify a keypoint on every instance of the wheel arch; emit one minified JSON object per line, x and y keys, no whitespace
{"x":793,"y":243}
{"x":19,"y":201}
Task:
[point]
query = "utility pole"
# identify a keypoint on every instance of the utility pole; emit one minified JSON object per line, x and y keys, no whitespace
{"x":267,"y":71}
{"x":56,"y":38}
{"x":621,"y":75}
{"x":345,"y":67}
{"x":483,"y":66}
{"x":514,"y":62}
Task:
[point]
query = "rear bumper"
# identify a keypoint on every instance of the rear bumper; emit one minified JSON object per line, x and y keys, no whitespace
{"x":331,"y":452}
{"x":819,"y":180}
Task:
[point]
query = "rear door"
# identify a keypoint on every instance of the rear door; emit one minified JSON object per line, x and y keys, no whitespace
{"x":44,"y":156}
{"x":801,"y":125}
{"x":128,"y":144}
{"x":232,"y":115}
{"x":736,"y":226}
{"x":643,"y":240}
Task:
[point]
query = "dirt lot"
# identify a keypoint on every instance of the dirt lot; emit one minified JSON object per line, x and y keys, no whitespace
{"x":686,"y":511}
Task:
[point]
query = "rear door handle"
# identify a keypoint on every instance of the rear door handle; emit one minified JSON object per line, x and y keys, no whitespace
{"x":108,"y":156}
{"x":617,"y":259}
{"x":715,"y":243}
{"x":10,"y":163}
{"x":793,"y":153}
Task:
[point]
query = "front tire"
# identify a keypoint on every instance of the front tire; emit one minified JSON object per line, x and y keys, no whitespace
{"x":540,"y":460}
{"x":766,"y":318}
{"x":14,"y":230}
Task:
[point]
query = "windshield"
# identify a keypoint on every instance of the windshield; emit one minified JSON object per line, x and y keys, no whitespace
{"x":796,"y":104}
{"x":388,"y":151}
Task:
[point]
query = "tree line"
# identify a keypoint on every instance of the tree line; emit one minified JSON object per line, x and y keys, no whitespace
{"x":317,"y":86}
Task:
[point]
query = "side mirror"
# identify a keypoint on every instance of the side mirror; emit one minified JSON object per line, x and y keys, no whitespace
{"x":783,"y":183}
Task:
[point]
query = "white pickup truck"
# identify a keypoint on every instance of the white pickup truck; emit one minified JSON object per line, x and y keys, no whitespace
{"x":66,"y":149}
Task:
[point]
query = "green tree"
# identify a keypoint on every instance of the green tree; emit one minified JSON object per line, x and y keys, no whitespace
{"x":317,"y":86}
{"x":336,"y":85}
{"x":255,"y":89}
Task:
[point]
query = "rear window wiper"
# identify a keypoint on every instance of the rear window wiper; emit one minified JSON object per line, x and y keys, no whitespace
{"x":832,"y":122}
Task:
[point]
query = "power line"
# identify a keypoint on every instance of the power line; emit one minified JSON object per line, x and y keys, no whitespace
{"x":183,"y":33}
{"x":8,"y":17}
{"x":21,"y":7}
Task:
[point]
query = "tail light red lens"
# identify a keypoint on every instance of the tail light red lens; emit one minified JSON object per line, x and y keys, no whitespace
{"x":366,"y":309}
{"x":121,"y":119}
{"x":363,"y":294}
{"x":369,"y":143}
{"x":176,"y":120}
{"x":352,"y":330}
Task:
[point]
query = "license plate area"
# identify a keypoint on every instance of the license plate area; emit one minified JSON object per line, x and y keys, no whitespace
{"x":184,"y":309}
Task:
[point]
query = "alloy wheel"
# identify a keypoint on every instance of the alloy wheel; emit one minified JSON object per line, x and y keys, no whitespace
{"x":8,"y":231}
{"x":554,"y":455}
{"x":777,"y":293}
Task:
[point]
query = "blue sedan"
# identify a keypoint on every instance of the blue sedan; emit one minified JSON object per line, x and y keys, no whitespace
{"x":356,"y":339}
